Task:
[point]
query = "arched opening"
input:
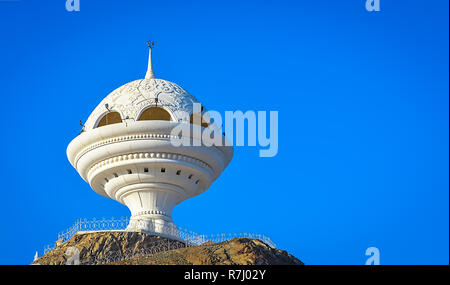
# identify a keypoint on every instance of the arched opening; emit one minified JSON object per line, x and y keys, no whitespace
{"x":198,"y":118}
{"x":155,"y":113}
{"x":110,"y":118}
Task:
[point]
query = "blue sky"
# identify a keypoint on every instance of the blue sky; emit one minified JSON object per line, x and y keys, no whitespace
{"x":363,"y":118}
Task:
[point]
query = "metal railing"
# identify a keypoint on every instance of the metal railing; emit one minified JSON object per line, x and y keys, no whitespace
{"x":185,"y":236}
{"x":103,"y":224}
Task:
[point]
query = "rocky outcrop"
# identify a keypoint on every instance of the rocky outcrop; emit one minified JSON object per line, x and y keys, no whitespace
{"x":123,"y":248}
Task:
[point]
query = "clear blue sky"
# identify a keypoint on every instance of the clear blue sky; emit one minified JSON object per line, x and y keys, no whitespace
{"x":363,"y":118}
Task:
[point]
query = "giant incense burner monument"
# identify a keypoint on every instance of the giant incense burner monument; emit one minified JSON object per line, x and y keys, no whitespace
{"x":125,"y":151}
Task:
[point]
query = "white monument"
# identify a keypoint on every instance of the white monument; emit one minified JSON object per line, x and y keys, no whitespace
{"x":125,"y":151}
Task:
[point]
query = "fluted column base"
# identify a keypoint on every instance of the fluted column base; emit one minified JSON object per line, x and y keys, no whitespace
{"x":158,"y":227}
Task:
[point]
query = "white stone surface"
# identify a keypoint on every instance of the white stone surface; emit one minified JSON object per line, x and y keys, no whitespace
{"x":135,"y":163}
{"x":131,"y":99}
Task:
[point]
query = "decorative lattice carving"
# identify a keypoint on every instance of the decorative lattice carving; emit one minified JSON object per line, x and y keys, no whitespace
{"x":132,"y":98}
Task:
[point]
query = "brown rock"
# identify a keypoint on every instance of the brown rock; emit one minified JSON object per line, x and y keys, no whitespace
{"x":119,"y":247}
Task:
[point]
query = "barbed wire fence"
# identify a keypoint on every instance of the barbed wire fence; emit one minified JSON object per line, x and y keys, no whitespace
{"x":177,"y":237}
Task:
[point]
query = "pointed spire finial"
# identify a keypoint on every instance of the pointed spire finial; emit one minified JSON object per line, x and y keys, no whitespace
{"x":150,"y":73}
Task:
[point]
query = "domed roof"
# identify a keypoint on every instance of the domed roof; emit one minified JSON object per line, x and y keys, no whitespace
{"x":131,"y":99}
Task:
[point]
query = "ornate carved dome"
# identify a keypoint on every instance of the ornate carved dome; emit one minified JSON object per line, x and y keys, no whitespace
{"x":131,"y":99}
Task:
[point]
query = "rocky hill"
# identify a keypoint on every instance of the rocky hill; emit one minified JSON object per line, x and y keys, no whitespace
{"x":123,"y":248}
